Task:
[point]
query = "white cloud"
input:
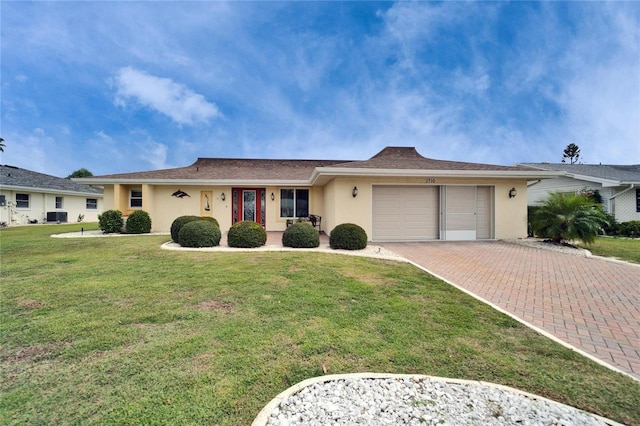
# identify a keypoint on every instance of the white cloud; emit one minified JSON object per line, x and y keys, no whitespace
{"x":164,"y":95}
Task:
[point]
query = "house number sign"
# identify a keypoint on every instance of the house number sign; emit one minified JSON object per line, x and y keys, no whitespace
{"x":431,"y":180}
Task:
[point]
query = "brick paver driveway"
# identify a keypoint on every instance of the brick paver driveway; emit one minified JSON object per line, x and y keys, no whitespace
{"x":589,"y":303}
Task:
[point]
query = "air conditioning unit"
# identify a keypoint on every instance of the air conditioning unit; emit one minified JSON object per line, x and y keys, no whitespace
{"x":57,"y":217}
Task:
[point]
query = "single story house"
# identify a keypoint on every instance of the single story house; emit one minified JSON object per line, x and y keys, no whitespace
{"x":618,"y":185}
{"x":32,"y":197}
{"x":396,"y":195}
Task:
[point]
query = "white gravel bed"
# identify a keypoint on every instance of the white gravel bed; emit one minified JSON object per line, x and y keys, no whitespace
{"x":420,"y":401}
{"x":559,"y":248}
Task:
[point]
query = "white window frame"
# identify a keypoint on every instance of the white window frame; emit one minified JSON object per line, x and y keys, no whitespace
{"x":19,"y":202}
{"x":59,"y":202}
{"x":90,"y":205}
{"x":132,"y":198}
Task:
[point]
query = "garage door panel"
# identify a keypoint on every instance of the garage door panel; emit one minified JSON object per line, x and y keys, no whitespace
{"x":405,"y":213}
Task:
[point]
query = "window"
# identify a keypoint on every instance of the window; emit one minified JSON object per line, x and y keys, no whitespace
{"x":22,"y":201}
{"x":294,"y":203}
{"x":135,"y":199}
{"x":638,"y":200}
{"x":59,"y":202}
{"x":92,"y":203}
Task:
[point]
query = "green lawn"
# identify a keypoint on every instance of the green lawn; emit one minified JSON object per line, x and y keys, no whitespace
{"x":118,"y":331}
{"x":620,"y":248}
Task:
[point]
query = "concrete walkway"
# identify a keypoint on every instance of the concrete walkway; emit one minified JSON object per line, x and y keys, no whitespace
{"x":588,"y":302}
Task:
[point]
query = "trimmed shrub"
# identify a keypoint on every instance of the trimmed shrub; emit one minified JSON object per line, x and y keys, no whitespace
{"x":179,"y":222}
{"x":138,"y":222}
{"x":199,"y":233}
{"x":246,"y":234}
{"x":111,"y":221}
{"x":348,"y":236}
{"x":629,"y":229}
{"x":301,"y":235}
{"x":177,"y":225}
{"x":611,"y":228}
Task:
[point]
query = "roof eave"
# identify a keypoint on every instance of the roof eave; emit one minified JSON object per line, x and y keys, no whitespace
{"x":49,"y":191}
{"x":497,"y":174}
{"x":208,"y":182}
{"x":606,"y":183}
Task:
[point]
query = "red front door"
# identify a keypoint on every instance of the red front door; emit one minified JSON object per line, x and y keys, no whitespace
{"x":248,"y":204}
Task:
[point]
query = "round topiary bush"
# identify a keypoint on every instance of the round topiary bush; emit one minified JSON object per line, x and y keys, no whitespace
{"x":210,"y":219}
{"x":199,"y":233}
{"x":179,"y":222}
{"x":138,"y":222}
{"x":246,"y":234}
{"x":110,"y":221}
{"x":301,"y":235}
{"x":348,"y":236}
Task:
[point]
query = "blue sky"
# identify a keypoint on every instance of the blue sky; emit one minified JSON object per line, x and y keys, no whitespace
{"x":130,"y":86}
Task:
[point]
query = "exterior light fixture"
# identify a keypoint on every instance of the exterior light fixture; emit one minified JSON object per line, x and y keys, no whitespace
{"x":273,"y":197}
{"x":222,"y":197}
{"x":512,"y":193}
{"x":354,"y":192}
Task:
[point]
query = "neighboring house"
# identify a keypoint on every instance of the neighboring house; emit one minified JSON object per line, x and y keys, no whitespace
{"x":619,"y":186}
{"x":30,"y":197}
{"x":397,"y":195}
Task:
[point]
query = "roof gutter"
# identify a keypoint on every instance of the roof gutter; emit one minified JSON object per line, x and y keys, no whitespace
{"x":495,"y":174}
{"x":51,"y":191}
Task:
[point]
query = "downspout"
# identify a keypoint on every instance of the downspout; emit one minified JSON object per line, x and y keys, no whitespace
{"x":631,"y":186}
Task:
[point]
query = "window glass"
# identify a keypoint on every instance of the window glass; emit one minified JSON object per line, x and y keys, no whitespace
{"x":302,"y":202}
{"x":22,"y":201}
{"x":286,"y":203}
{"x":136,"y":198}
{"x":92,"y":203}
{"x":638,"y":199}
{"x":294,"y":203}
{"x":59,"y":202}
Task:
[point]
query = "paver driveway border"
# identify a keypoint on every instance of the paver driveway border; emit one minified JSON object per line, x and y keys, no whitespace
{"x":588,"y":304}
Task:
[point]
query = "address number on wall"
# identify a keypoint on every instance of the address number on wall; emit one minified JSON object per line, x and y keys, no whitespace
{"x":431,"y":180}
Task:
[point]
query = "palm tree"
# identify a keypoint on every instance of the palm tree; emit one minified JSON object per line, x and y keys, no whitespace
{"x":2,"y":145}
{"x":568,"y":217}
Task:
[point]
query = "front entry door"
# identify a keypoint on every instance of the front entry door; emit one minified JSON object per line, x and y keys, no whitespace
{"x":248,"y":204}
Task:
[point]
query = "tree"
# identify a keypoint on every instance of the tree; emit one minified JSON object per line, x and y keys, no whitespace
{"x":568,"y":217}
{"x":572,"y":152}
{"x":80,"y":173}
{"x":2,"y":145}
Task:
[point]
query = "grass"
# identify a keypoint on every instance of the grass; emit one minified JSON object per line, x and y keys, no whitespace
{"x":620,"y":248}
{"x":117,"y":331}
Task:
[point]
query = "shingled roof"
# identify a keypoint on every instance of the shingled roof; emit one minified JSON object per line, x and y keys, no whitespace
{"x":396,"y":157}
{"x":232,"y":169}
{"x":21,"y":179}
{"x":218,"y":170}
{"x":621,"y":174}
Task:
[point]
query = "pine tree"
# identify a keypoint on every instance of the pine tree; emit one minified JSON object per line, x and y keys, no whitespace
{"x":572,"y":152}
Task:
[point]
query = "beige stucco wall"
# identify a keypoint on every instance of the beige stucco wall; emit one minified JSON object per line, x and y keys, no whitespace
{"x":342,"y":207}
{"x":164,"y":208}
{"x":334,"y":202}
{"x":511,"y":213}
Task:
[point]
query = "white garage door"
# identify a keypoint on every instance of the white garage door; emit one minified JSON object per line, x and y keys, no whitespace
{"x":405,"y":213}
